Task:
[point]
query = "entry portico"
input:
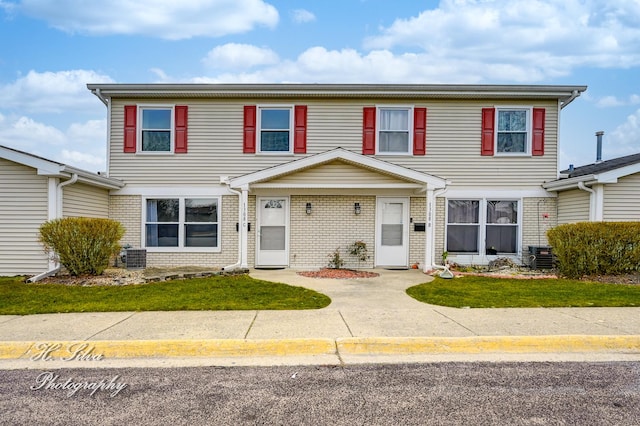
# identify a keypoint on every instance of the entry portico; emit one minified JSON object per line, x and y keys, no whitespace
{"x":305,"y":209}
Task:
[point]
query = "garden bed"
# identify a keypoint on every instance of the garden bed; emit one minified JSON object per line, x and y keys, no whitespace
{"x":338,"y":274}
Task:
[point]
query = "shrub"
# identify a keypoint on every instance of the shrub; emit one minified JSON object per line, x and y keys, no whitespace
{"x":359,"y":250}
{"x":335,"y":259}
{"x":596,"y":248}
{"x":82,"y":245}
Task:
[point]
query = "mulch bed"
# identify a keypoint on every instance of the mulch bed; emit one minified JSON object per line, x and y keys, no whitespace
{"x":338,"y":274}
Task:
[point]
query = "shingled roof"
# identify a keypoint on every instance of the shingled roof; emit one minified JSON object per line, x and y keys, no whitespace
{"x":601,"y":167}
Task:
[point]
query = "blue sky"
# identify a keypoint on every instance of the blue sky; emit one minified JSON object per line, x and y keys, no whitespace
{"x":51,"y":49}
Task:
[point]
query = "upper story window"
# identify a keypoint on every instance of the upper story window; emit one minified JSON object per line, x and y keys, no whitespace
{"x":156,"y":131}
{"x":513,"y":131}
{"x":394,"y":130}
{"x":275,"y":129}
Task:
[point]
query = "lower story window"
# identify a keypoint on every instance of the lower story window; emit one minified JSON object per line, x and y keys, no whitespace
{"x":182,"y":222}
{"x":477,"y":226}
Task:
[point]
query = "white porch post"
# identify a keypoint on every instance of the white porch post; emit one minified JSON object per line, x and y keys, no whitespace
{"x":244,"y":231}
{"x":429,"y":240}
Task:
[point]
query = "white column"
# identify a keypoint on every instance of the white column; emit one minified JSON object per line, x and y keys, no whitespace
{"x":429,"y":238}
{"x":244,"y":231}
{"x":598,"y":204}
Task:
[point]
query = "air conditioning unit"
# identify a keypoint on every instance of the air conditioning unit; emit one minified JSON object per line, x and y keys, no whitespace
{"x":540,"y":257}
{"x":136,"y":259}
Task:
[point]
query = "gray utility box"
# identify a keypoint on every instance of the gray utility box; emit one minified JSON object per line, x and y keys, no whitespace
{"x":136,"y":259}
{"x":540,"y":257}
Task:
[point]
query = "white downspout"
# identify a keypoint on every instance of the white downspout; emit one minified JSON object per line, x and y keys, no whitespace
{"x":54,"y":267}
{"x":74,"y":179}
{"x":241,"y":230}
{"x":592,"y":200}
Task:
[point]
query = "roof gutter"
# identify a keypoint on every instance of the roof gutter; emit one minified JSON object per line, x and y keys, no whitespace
{"x":98,"y":93}
{"x":570,"y":99}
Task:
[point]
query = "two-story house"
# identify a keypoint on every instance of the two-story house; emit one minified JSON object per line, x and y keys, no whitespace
{"x":281,"y":175}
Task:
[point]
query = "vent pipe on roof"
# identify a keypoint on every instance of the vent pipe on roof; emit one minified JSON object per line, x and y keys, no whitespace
{"x":599,"y":148}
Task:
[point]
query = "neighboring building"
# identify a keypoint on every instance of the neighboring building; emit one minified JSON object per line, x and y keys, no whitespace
{"x":281,"y":175}
{"x":602,"y":191}
{"x":34,"y":190}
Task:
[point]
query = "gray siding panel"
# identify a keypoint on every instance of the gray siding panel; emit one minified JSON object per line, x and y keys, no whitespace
{"x":622,"y":199}
{"x":573,"y":206}
{"x":453,"y":144}
{"x":81,"y":200}
{"x":23,"y":208}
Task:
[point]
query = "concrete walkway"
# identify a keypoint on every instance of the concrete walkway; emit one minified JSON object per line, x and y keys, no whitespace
{"x":369,"y":320}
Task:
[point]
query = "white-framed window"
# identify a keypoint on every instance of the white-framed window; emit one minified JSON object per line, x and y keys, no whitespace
{"x":394,"y":130}
{"x":488,"y":226}
{"x":463,"y":226}
{"x":156,"y":129}
{"x":185,"y":223}
{"x":513,"y":130}
{"x":275,"y":129}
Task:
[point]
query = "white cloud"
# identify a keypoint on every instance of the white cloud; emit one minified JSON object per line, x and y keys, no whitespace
{"x":625,"y":139}
{"x":547,"y":38}
{"x":58,"y":92}
{"x":87,"y":160}
{"x":81,"y":144}
{"x":301,"y":16}
{"x":239,"y":56}
{"x":613,"y":101}
{"x":167,"y":19}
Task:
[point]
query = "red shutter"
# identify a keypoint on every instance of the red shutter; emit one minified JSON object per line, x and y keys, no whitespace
{"x":130,"y":131}
{"x":369,"y":131}
{"x":300,"y":130}
{"x":249,"y":145}
{"x":537,"y":145}
{"x":488,"y":123}
{"x":419,"y":131}
{"x":181,"y":129}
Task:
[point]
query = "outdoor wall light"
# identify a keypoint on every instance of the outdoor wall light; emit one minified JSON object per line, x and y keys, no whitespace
{"x":308,"y":208}
{"x":356,"y":208}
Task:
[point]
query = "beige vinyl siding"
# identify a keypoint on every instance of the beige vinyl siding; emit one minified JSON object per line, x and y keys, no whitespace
{"x":573,"y":206}
{"x":81,"y":200}
{"x":215,"y":129}
{"x":23,"y":208}
{"x":337,"y":172}
{"x":622,"y":199}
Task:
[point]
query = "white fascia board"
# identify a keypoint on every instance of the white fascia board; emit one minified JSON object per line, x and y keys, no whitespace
{"x":470,"y":193}
{"x":50,"y":168}
{"x":172,"y":191}
{"x":45,"y":167}
{"x":569,"y":183}
{"x":338,"y":154}
{"x":612,"y":176}
{"x":407,"y":185}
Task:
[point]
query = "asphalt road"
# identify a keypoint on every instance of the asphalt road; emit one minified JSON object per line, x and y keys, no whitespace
{"x":418,"y":394}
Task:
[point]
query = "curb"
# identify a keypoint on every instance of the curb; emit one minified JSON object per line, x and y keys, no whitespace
{"x":80,"y":350}
{"x":123,"y":349}
{"x":488,"y":344}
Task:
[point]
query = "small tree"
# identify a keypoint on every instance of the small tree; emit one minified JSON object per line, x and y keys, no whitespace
{"x":82,"y":245}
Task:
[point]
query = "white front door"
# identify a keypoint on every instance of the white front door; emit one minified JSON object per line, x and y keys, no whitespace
{"x":392,"y":232}
{"x":273,"y":241}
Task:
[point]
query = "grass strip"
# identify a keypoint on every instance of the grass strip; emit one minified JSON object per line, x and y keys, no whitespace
{"x":488,"y":292}
{"x":238,"y":292}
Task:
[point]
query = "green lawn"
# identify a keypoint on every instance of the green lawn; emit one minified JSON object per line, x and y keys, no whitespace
{"x":238,"y":292}
{"x":486,"y":292}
